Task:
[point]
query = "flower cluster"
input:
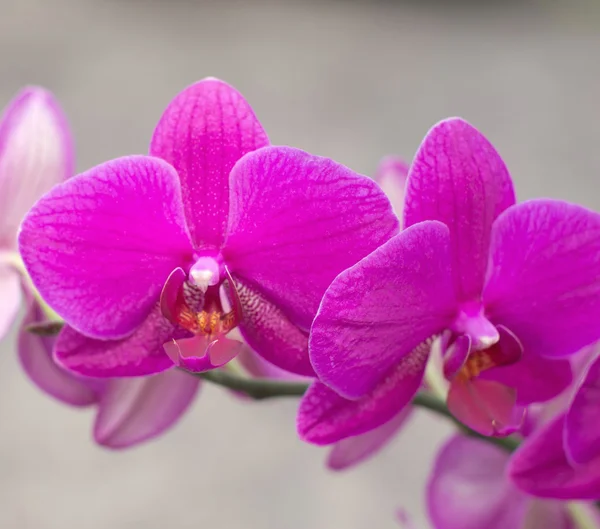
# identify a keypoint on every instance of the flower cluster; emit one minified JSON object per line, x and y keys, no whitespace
{"x":220,"y":257}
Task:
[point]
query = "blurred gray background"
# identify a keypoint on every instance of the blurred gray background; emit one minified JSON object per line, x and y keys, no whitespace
{"x":348,"y":79}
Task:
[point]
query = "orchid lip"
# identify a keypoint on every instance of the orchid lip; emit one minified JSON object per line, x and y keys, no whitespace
{"x":202,"y":353}
{"x":195,"y":301}
{"x":485,"y":405}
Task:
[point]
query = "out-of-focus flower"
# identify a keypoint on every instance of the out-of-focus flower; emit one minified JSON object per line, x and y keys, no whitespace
{"x":487,"y":275}
{"x":404,"y":519}
{"x":149,"y":250}
{"x":391,"y":175}
{"x":541,"y":467}
{"x":353,"y":450}
{"x":468,"y":489}
{"x":582,"y":428}
{"x":257,"y":367}
{"x":128,"y":410}
{"x":561,"y":460}
{"x":470,"y":486}
{"x":35,"y":154}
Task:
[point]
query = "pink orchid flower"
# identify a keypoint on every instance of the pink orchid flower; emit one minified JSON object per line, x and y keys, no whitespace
{"x":542,"y":467}
{"x":391,"y":175}
{"x":214,"y":230}
{"x":509,"y":289}
{"x":562,"y":459}
{"x":468,"y":469}
{"x":468,"y":489}
{"x":582,"y":434}
{"x":35,"y":154}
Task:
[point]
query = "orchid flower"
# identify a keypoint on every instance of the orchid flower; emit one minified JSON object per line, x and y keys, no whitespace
{"x":468,"y":489}
{"x":466,"y":464}
{"x":562,"y":459}
{"x":214,"y":230}
{"x":391,"y":175}
{"x":507,"y":288}
{"x":582,"y":435}
{"x":35,"y":154}
{"x":468,"y":468}
{"x":541,"y":466}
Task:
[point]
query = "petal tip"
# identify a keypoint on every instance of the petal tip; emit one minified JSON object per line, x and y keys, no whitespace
{"x":137,"y":410}
{"x":39,"y":109}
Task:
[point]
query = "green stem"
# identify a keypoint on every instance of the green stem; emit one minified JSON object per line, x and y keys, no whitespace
{"x":45,"y":328}
{"x":266,"y":388}
{"x":255,"y":388}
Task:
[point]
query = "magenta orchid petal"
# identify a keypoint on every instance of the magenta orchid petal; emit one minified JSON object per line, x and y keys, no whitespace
{"x":543,"y":281}
{"x":582,"y":435}
{"x":297,"y":220}
{"x":488,"y":407}
{"x":170,"y":293}
{"x":391,"y":176}
{"x":458,"y":178}
{"x":133,"y":410}
{"x":535,"y":378}
{"x":100,"y":246}
{"x":353,"y":450}
{"x":198,"y":354}
{"x":267,"y":329}
{"x":509,"y":349}
{"x":377,"y":312}
{"x":540,"y":467}
{"x":141,"y":353}
{"x":36,"y":152}
{"x":256,"y":366}
{"x":325,"y":417}
{"x":10,"y":298}
{"x":35,"y":354}
{"x":203,"y":132}
{"x":467,"y":488}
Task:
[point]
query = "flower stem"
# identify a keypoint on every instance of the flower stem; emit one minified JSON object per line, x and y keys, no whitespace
{"x":255,"y":388}
{"x":266,"y":388}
